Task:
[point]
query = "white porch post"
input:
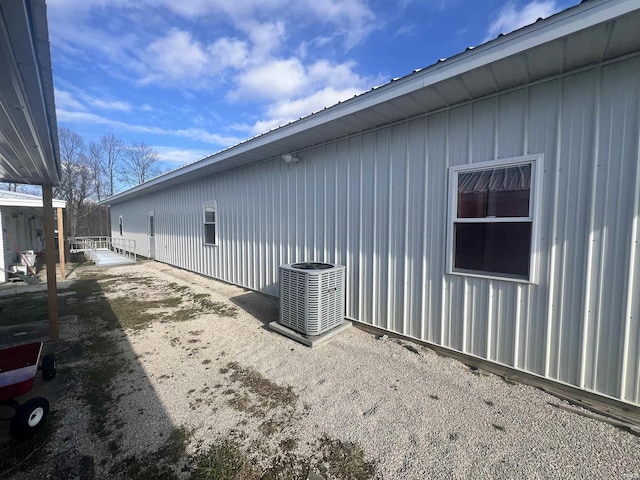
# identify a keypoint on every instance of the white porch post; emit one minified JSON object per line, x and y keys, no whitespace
{"x":50,"y":259}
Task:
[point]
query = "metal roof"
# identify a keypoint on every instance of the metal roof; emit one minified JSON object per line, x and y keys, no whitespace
{"x":28,"y":131}
{"x":17,"y":199}
{"x":592,"y":32}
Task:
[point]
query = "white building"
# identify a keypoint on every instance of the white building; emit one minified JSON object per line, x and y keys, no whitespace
{"x":21,"y":219}
{"x":488,"y":204}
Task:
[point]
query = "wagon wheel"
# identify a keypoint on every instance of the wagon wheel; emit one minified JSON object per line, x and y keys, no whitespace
{"x":29,"y":418}
{"x":49,"y":366}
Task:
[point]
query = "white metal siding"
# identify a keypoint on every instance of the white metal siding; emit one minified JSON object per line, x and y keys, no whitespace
{"x":376,"y":202}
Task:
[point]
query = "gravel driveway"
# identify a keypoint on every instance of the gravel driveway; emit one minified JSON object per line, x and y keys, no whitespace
{"x":203,"y":374}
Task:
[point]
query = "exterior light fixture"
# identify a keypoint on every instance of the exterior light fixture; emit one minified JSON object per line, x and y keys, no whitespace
{"x":288,"y":158}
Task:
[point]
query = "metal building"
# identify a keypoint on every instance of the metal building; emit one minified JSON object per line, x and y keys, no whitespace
{"x":488,"y":204}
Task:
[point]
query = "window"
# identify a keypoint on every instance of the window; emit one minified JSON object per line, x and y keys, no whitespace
{"x":210,"y":209}
{"x":493,"y":218}
{"x":120,"y":224}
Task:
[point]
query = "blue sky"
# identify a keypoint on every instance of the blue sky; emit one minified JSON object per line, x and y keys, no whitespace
{"x":192,"y":77}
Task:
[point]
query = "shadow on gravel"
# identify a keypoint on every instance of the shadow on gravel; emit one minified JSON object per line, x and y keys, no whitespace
{"x":262,"y":307}
{"x":83,"y":435}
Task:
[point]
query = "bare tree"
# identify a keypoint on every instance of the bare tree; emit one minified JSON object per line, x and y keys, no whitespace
{"x":76,"y":183}
{"x":22,"y":188}
{"x":141,"y":164}
{"x":112,"y":151}
{"x":96,"y":166}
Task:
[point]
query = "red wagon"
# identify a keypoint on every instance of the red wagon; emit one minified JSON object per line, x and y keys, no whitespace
{"x":18,"y":368}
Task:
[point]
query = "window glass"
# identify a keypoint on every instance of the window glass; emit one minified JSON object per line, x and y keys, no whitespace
{"x":492,"y":219}
{"x":496,"y":192}
{"x":210,"y":223}
{"x":501,"y":248}
{"x":210,"y":234}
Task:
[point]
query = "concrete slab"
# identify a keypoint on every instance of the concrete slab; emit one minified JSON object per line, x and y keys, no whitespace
{"x":309,"y":340}
{"x":106,"y":258}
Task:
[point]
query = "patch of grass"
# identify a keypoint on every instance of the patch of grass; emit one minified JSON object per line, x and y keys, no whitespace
{"x":171,"y":302}
{"x":434,"y":397}
{"x":175,"y":447}
{"x":146,"y":281}
{"x":161,"y":464}
{"x":498,"y":427}
{"x":218,"y":308}
{"x":184,"y":314}
{"x":269,"y":394}
{"x":223,"y":461}
{"x":489,"y":402}
{"x":144,"y":470}
{"x":127,"y":311}
{"x":131,"y":313}
{"x":286,"y":467}
{"x":344,"y":460}
{"x":453,"y":436}
{"x":173,"y":286}
{"x":24,"y":308}
{"x":271,"y":427}
{"x":289,"y":444}
{"x":508,"y":381}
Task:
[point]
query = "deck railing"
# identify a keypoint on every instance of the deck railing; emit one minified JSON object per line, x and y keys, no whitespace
{"x":90,"y":246}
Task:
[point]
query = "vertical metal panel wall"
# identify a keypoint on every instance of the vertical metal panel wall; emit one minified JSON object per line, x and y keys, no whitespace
{"x":377,"y":203}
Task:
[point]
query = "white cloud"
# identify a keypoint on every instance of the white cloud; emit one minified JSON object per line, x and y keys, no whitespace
{"x":272,"y":80}
{"x":199,"y":134}
{"x":352,"y":18}
{"x":285,"y":111}
{"x":175,"y":58}
{"x":108,"y":104}
{"x":175,"y":157}
{"x":294,"y":90}
{"x":339,"y":75}
{"x":81,"y":101}
{"x":511,"y":18}
{"x":65,"y":100}
{"x":229,"y":52}
{"x":288,"y":79}
{"x":178,"y":59}
{"x":266,"y":38}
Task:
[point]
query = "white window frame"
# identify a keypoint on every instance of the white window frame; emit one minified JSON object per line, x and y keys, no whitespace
{"x":535,"y":199}
{"x":210,"y":204}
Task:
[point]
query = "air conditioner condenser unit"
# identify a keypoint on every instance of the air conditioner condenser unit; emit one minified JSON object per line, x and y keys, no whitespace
{"x":312,"y":296}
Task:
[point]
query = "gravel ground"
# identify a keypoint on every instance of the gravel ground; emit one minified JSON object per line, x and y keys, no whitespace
{"x":414,"y":414}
